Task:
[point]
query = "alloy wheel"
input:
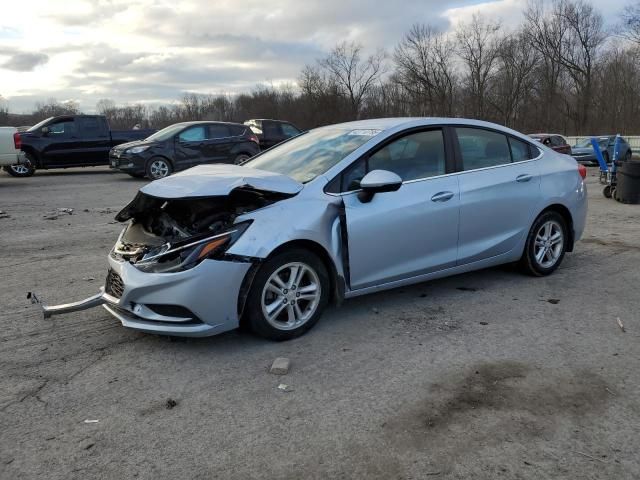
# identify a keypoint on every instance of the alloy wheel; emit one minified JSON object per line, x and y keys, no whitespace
{"x":20,"y":169}
{"x":159,"y":169}
{"x":549,"y":242}
{"x":291,"y":296}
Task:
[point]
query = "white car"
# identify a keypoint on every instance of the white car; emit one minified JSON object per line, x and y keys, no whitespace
{"x":10,"y":153}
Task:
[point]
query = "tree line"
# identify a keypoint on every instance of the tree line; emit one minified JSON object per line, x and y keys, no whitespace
{"x":561,"y":70}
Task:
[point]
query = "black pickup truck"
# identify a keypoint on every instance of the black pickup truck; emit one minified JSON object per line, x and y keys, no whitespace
{"x":71,"y":141}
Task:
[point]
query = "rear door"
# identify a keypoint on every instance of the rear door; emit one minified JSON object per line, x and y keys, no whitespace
{"x":219,"y":144}
{"x":499,"y":188}
{"x":271,"y":134}
{"x":412,"y":231}
{"x":94,"y":140}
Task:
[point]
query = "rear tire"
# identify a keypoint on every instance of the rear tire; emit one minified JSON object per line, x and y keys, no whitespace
{"x":158,"y":167}
{"x":546,"y":245}
{"x":288,"y":295}
{"x":606,"y":191}
{"x":23,"y":170}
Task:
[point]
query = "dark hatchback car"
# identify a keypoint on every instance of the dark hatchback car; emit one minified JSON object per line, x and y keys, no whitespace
{"x":184,"y":145}
{"x":272,"y":132}
{"x":554,"y":141}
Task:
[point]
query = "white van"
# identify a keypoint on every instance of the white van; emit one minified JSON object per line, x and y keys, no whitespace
{"x":10,"y":153}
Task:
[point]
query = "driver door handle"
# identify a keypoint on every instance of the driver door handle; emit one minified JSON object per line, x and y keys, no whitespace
{"x":442,"y":197}
{"x":525,"y":177}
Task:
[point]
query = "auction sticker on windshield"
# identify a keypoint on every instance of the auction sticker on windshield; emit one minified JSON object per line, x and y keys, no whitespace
{"x":365,"y":132}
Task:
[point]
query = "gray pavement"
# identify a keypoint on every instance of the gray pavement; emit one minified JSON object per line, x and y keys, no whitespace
{"x":485,"y":375}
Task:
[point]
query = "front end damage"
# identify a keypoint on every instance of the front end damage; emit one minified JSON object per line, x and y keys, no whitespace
{"x":169,"y":271}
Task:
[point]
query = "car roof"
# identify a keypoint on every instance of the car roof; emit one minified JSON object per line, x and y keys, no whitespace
{"x":209,"y":122}
{"x":392,"y":123}
{"x":546,"y":135}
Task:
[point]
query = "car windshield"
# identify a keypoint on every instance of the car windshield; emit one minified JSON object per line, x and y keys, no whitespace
{"x":166,"y":133}
{"x":38,"y":126}
{"x":311,"y":154}
{"x":587,"y":142}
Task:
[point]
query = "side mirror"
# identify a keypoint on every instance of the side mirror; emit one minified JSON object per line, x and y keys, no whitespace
{"x":45,"y":130}
{"x":378,"y":181}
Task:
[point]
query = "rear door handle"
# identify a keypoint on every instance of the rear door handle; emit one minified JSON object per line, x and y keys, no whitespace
{"x":442,"y":197}
{"x":525,"y":177}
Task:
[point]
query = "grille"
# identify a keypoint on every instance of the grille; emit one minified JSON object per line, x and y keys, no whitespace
{"x":114,"y":285}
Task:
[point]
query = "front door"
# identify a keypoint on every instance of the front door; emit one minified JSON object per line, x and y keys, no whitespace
{"x":412,"y":231}
{"x":190,"y":146}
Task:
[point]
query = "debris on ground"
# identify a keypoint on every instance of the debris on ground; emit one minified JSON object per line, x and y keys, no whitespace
{"x":50,"y":215}
{"x":467,"y":289}
{"x":4,"y":214}
{"x":88,"y":279}
{"x":484,"y":323}
{"x":170,"y":403}
{"x":375,"y":310}
{"x":284,"y":387}
{"x":32,"y":296}
{"x":66,"y":210}
{"x":280,"y":366}
{"x":553,"y":301}
{"x":91,"y":421}
{"x":621,"y":325}
{"x":89,"y":446}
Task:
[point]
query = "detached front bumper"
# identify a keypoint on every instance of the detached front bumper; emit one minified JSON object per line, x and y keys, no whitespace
{"x":199,"y":302}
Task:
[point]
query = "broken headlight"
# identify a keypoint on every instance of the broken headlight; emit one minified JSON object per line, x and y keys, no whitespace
{"x":188,"y":253}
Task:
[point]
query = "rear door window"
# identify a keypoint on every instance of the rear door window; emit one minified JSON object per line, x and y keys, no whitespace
{"x":482,"y":148}
{"x":271,"y":129}
{"x":237,"y":130}
{"x":92,"y":127}
{"x":218,"y":131}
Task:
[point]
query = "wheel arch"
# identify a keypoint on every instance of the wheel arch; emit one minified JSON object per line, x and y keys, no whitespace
{"x":337,"y":283}
{"x":568,"y":218}
{"x":29,"y":150}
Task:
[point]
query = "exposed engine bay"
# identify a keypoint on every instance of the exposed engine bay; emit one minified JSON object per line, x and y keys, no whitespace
{"x":166,"y":231}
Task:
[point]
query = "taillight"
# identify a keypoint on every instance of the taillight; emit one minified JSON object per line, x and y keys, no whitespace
{"x":253,"y":138}
{"x":582,"y":170}
{"x":17,"y":141}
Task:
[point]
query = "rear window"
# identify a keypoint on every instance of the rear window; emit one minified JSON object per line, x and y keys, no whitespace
{"x":237,"y":130}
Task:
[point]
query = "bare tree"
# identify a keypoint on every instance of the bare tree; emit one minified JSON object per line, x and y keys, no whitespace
{"x":4,"y":111}
{"x":631,"y":22}
{"x":514,"y":79}
{"x":478,"y":47}
{"x":354,"y":75}
{"x":424,"y":66}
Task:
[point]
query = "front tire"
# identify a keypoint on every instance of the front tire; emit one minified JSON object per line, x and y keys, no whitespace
{"x":158,"y":168}
{"x":241,"y":158}
{"x":23,"y":170}
{"x":546,"y":245}
{"x":288,"y":295}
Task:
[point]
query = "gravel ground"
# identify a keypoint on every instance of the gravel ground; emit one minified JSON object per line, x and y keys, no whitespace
{"x":485,"y":375}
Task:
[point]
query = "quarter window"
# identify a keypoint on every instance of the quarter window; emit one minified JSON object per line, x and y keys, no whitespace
{"x":289,"y":130}
{"x":482,"y":148}
{"x":520,"y":151}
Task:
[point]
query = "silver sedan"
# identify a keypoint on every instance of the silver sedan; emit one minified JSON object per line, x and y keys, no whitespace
{"x":334,"y":213}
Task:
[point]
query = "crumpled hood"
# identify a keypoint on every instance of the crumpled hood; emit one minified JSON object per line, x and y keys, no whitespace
{"x":219,"y":179}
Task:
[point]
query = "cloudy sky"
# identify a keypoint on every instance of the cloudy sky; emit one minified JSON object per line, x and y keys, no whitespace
{"x":154,"y":50}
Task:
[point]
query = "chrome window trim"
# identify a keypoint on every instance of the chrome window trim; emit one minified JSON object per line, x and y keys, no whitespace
{"x":340,"y":194}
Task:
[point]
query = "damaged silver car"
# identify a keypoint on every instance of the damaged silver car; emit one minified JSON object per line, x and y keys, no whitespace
{"x":334,"y":213}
